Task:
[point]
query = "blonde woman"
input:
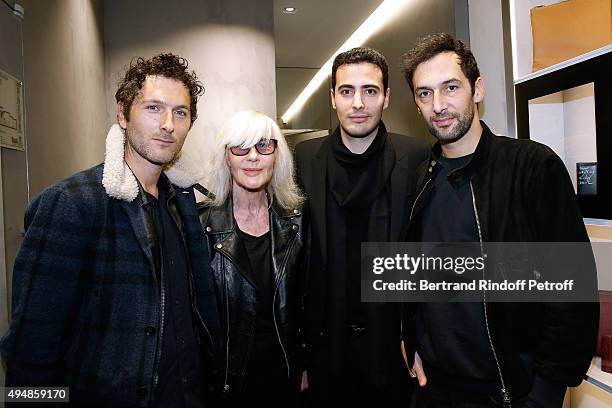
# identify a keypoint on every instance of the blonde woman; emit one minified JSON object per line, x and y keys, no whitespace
{"x":253,"y":224}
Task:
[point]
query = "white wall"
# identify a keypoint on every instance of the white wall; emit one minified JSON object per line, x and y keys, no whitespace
{"x":228,"y":43}
{"x":487,"y":45}
{"x":546,"y":122}
{"x":565,"y":121}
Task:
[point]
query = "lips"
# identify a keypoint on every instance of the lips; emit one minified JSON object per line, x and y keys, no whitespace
{"x":358,"y":118}
{"x":444,"y":122}
{"x":164,"y":141}
{"x":252,"y":172}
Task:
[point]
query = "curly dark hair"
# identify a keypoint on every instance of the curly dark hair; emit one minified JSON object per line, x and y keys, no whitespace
{"x":166,"y":65}
{"x":358,"y":55}
{"x":434,"y":44}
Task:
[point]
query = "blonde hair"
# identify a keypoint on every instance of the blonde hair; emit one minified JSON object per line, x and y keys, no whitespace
{"x":246,"y":129}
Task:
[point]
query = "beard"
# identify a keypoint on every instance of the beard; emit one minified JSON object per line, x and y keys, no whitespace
{"x":141,"y":144}
{"x":450,"y":135}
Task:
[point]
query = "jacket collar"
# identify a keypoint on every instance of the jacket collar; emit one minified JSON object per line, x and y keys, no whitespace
{"x":478,"y":160}
{"x":119,"y":181}
{"x":221,"y":219}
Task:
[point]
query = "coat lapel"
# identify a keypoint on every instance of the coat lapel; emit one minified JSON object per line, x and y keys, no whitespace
{"x":221,"y":221}
{"x":283,"y":233}
{"x":143,"y":229}
{"x":398,"y":191}
{"x":318,"y":195}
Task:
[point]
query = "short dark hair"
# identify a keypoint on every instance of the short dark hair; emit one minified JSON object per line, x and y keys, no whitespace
{"x":435,"y":44}
{"x":358,"y":55}
{"x":164,"y":65}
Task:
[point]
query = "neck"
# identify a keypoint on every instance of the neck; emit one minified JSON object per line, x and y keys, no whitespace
{"x":146,"y":172}
{"x":465,"y":145}
{"x":251,"y":202}
{"x":358,"y":145}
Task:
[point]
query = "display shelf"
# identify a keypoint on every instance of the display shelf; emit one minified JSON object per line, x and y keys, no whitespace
{"x":594,"y":69}
{"x":565,"y":64}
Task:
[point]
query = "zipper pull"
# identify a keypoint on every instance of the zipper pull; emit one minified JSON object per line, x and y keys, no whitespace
{"x":506,"y":398}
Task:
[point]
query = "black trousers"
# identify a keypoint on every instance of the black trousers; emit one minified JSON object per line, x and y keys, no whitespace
{"x":353,"y":385}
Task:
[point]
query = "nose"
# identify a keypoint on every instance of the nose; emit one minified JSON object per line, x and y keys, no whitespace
{"x":167,"y":122}
{"x":357,"y":102}
{"x":253,"y":155}
{"x":439,"y":103}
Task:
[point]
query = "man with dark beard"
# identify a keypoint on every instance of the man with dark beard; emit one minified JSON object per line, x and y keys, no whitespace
{"x":359,"y":182}
{"x":112,"y":290}
{"x":478,"y":187}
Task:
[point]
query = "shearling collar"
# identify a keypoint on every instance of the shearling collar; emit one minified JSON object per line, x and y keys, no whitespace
{"x":119,"y":181}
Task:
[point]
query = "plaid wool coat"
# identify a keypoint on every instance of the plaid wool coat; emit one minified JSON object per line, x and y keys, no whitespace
{"x":86,"y":303}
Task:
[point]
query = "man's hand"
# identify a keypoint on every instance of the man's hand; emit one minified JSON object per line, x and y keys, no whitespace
{"x":304,"y":384}
{"x":417,"y":370}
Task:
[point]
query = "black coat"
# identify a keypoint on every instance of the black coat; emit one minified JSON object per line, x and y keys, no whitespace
{"x":311,"y":160}
{"x":236,"y":291}
{"x":522,"y":193}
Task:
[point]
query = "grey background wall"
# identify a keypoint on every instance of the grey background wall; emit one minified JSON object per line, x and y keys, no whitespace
{"x":491,"y":47}
{"x":64,"y":83}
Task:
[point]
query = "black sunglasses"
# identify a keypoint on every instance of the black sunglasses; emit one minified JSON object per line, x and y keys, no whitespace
{"x":263,"y":147}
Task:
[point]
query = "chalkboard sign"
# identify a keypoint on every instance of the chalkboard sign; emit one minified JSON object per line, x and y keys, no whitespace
{"x":587,"y":178}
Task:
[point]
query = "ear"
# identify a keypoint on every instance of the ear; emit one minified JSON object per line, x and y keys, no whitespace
{"x":479,"y":90}
{"x":331,"y":94}
{"x":387,"y":96}
{"x":120,"y":116}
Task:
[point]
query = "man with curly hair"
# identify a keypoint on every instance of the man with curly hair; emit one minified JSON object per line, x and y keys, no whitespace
{"x":111,"y":286}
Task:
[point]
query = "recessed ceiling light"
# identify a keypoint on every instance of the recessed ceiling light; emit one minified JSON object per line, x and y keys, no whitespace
{"x":289,"y":10}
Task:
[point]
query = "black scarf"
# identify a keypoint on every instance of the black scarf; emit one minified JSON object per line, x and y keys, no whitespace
{"x":356,"y":180}
{"x":358,"y":210}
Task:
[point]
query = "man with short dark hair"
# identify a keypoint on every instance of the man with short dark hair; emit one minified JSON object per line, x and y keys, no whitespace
{"x":111,"y":286}
{"x":479,"y":187}
{"x":359,"y":183}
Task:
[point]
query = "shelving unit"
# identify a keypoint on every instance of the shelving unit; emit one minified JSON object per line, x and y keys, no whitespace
{"x":593,"y":67}
{"x":591,"y":70}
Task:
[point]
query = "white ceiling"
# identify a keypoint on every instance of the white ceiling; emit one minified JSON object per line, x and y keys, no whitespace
{"x":308,"y":38}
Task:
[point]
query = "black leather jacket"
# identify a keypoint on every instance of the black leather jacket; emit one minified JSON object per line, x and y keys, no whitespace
{"x":237,"y":297}
{"x":521,"y":192}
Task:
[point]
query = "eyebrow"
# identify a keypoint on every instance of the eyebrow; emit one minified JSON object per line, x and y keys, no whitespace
{"x":158,"y":101}
{"x":363,"y":86}
{"x":448,"y":81}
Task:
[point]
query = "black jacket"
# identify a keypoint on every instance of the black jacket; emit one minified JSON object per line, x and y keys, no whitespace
{"x":522,"y":193}
{"x":237,"y":294}
{"x":311,"y":161}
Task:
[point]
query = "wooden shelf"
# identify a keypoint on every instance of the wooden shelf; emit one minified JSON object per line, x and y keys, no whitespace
{"x":565,"y":64}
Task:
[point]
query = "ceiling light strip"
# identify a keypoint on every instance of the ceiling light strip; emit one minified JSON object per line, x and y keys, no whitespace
{"x":373,"y":23}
